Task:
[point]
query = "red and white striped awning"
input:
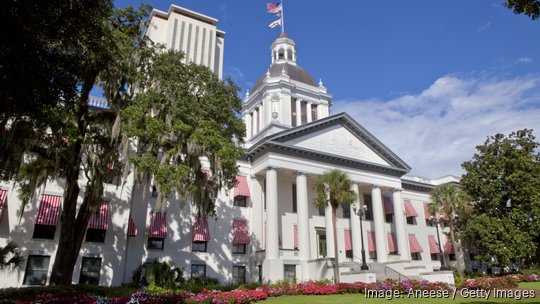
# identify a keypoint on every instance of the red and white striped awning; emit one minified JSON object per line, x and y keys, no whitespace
{"x":240,"y":232}
{"x":409,"y":209}
{"x":414,"y":246}
{"x":3,"y":196}
{"x":241,"y":188}
{"x":158,"y":225}
{"x":371,"y":241}
{"x":391,"y":242}
{"x":448,"y":247}
{"x":427,"y":214}
{"x":101,"y":219}
{"x":295,"y":237}
{"x":49,"y":210}
{"x":388,"y":206}
{"x":348,"y":239}
{"x":132,"y":230}
{"x":201,"y":233}
{"x":433,"y":245}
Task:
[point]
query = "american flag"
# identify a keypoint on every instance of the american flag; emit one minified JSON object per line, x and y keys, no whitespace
{"x":273,"y":7}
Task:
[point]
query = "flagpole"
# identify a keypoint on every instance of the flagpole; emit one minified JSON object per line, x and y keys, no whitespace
{"x":282,"y":19}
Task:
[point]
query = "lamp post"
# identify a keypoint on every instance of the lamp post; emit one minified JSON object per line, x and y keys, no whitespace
{"x":360,"y":212}
{"x":436,"y":220}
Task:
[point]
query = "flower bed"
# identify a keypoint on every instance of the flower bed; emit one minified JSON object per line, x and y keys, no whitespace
{"x":508,"y":281}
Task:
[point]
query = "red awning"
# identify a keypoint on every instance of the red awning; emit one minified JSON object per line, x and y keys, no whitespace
{"x":101,"y":219}
{"x":132,"y":230}
{"x":388,"y":206}
{"x":414,"y":246}
{"x":409,"y":209}
{"x":433,"y":245}
{"x":3,"y":195}
{"x":391,"y":242}
{"x":295,"y":237}
{"x":241,"y":188}
{"x":348,"y":240}
{"x":158,"y":225}
{"x":49,"y":209}
{"x":427,"y":214}
{"x":200,"y":230}
{"x":371,"y":241}
{"x":448,"y":247}
{"x":240,"y":233}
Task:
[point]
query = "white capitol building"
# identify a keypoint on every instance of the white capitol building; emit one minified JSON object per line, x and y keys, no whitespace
{"x":267,"y":227}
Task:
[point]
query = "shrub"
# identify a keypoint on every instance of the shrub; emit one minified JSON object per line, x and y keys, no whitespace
{"x":161,"y":274}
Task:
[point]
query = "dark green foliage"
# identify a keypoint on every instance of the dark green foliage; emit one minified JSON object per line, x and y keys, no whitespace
{"x":161,"y":274}
{"x":502,"y":181}
{"x":28,"y":294}
{"x":530,"y":8}
{"x":10,"y":257}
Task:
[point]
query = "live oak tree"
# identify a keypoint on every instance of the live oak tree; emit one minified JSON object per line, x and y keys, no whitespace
{"x":184,"y":117}
{"x":334,"y":189}
{"x":502,"y":181}
{"x":530,"y":8}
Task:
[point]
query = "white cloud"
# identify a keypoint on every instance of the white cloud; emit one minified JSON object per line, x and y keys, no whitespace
{"x":437,"y":130}
{"x":525,"y":60}
{"x":484,"y":27}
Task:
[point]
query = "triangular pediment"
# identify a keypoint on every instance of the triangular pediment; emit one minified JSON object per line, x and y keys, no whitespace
{"x":337,"y":139}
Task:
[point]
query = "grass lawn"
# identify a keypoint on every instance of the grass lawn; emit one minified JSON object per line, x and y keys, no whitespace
{"x":530,"y":285}
{"x":360,"y":298}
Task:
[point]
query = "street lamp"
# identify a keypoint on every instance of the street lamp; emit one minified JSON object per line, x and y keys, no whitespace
{"x":360,"y":212}
{"x":436,"y":220}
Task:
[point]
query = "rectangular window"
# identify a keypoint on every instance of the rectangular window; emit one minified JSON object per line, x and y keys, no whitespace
{"x":416,"y":256}
{"x":95,"y":235}
{"x":239,"y":275}
{"x":434,"y":256}
{"x":240,"y":201}
{"x":346,"y":210}
{"x":198,"y":271}
{"x":303,"y":109}
{"x":452,"y":257}
{"x":294,"y":198}
{"x":321,"y":211}
{"x":44,"y":232}
{"x":348,"y":254}
{"x":289,"y":273}
{"x":37,"y":267}
{"x":264,"y":193}
{"x":369,"y":205}
{"x":155,"y":243}
{"x":373,"y":255}
{"x":313,"y":112}
{"x":389,"y":218}
{"x":293,"y":112}
{"x":411,"y":220}
{"x":90,"y":269}
{"x":198,"y":246}
{"x":429,"y":223}
{"x":239,"y":248}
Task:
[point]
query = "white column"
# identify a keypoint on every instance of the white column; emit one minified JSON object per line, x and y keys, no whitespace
{"x":304,"y":248}
{"x":261,"y":116}
{"x":379,"y":224}
{"x":401,"y":226}
{"x":248,"y":125}
{"x":329,"y":231}
{"x":355,"y":225}
{"x":255,"y":122}
{"x":308,"y":111}
{"x":298,"y":112}
{"x":272,"y":232}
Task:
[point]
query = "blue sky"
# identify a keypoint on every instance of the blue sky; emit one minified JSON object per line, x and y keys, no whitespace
{"x":430,"y":79}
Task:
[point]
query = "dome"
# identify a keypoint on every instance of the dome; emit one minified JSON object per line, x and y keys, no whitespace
{"x":292,"y":70}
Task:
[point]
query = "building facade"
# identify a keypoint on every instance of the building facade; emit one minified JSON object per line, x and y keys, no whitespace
{"x":266,"y":228}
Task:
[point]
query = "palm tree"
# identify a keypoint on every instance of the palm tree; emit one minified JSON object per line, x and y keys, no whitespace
{"x":10,"y":256}
{"x":334,"y":189}
{"x":450,"y":201}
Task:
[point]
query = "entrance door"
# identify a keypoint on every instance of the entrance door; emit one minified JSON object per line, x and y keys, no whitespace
{"x":321,"y":240}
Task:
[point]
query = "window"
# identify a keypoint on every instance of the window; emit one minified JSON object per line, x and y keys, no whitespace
{"x":264,"y":193}
{"x":429,"y":223}
{"x":155,"y":243}
{"x":154,"y":191}
{"x":321,"y":211}
{"x":240,"y":201}
{"x":434,"y":256}
{"x":198,"y":271}
{"x":37,"y":267}
{"x":303,"y":109}
{"x":369,"y":211}
{"x":411,"y":220}
{"x":44,"y":232}
{"x":289,"y":273}
{"x":293,"y":112}
{"x":198,"y":246}
{"x":416,"y":256}
{"x":348,"y":254}
{"x":294,"y":198}
{"x":90,"y":268}
{"x":239,"y":248}
{"x":389,"y":218}
{"x":313,"y":112}
{"x":95,"y":235}
{"x":452,"y":257}
{"x":373,"y":255}
{"x":346,"y":210}
{"x":259,"y":268}
{"x":239,"y":274}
